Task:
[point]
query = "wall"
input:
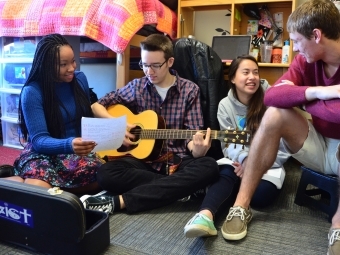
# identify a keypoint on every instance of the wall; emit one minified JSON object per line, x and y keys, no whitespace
{"x":75,"y":42}
{"x":101,"y":77}
{"x":206,"y":23}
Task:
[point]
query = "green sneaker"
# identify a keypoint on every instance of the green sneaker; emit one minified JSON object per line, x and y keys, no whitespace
{"x":334,"y":241}
{"x":235,"y":225}
{"x":200,"y":225}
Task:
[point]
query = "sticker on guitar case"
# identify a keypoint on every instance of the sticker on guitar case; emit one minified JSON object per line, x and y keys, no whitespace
{"x":16,"y":213}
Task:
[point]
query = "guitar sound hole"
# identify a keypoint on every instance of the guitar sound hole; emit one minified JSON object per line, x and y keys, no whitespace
{"x":135,"y":131}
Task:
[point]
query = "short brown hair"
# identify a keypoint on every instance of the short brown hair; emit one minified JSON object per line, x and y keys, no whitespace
{"x":320,"y":14}
{"x":158,"y":42}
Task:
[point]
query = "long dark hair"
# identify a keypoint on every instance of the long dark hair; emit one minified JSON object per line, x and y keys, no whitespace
{"x":256,"y":107}
{"x":45,"y":71}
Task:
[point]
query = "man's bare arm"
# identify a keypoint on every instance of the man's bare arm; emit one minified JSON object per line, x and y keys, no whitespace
{"x":322,"y":92}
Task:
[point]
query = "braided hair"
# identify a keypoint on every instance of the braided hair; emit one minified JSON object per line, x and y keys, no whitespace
{"x":45,"y":71}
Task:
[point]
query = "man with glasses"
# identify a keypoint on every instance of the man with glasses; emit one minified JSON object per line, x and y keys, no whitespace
{"x":182,"y":167}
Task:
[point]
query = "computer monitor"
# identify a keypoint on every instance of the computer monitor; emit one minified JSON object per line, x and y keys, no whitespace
{"x":228,"y":47}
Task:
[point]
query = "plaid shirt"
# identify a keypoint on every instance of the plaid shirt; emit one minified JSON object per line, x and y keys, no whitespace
{"x":181,"y":108}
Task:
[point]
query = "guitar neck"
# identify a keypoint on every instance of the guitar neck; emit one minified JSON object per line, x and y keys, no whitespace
{"x":228,"y":136}
{"x":171,"y":134}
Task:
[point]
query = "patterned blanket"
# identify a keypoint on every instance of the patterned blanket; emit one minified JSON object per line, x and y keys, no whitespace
{"x":111,"y":22}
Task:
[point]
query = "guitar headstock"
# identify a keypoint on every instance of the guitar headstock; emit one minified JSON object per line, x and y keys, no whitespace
{"x":235,"y":136}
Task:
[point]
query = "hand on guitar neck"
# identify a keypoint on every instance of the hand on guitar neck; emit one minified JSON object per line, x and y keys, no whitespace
{"x":200,"y":143}
{"x":146,"y":135}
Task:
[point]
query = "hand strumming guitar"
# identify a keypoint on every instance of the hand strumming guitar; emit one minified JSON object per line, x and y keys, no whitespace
{"x":128,"y":136}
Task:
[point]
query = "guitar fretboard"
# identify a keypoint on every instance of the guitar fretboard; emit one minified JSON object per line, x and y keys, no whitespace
{"x":226,"y":135}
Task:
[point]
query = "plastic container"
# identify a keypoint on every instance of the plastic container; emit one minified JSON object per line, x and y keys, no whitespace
{"x":255,"y":53}
{"x":15,"y":74}
{"x":19,"y":47}
{"x":266,"y":51}
{"x":10,"y":105}
{"x":285,"y":52}
{"x":11,"y":135}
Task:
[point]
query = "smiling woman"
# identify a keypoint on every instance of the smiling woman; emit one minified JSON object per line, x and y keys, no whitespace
{"x":52,"y":102}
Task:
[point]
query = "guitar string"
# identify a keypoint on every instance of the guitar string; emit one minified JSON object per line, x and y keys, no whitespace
{"x":154,"y":132}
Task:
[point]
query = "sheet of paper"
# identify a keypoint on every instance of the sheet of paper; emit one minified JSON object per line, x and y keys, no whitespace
{"x":224,"y":161}
{"x":275,"y":172}
{"x":108,"y":133}
{"x":275,"y":176}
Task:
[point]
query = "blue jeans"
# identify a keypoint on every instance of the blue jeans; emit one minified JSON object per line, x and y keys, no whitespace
{"x":223,"y":191}
{"x":143,"y":188}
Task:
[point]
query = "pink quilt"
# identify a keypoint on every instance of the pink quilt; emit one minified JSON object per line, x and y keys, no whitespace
{"x":111,"y":22}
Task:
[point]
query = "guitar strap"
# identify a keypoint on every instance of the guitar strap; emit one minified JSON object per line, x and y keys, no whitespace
{"x":164,"y":158}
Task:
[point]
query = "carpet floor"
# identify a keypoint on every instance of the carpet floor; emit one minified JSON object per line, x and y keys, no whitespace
{"x":8,"y":155}
{"x":282,"y":228}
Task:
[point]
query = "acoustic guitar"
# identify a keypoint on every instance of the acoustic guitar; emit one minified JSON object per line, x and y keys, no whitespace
{"x":150,"y":134}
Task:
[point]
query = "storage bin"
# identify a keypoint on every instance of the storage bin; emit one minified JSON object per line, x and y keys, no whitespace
{"x":15,"y":74}
{"x":12,"y":135}
{"x":16,"y":57}
{"x":19,"y":47}
{"x":10,"y":105}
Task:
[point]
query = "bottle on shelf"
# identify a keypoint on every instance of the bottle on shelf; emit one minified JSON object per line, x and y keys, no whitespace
{"x":285,"y":52}
{"x":255,"y":53}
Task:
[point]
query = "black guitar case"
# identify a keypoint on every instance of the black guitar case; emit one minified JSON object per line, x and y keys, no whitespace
{"x":50,"y":220}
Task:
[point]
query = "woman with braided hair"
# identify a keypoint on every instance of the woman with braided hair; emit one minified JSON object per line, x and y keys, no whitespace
{"x":52,"y":102}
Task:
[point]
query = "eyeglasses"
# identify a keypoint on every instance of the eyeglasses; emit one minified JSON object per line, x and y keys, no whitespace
{"x":154,"y":67}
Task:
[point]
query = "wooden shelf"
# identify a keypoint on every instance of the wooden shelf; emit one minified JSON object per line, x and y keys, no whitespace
{"x":268,"y":65}
{"x":186,"y":21}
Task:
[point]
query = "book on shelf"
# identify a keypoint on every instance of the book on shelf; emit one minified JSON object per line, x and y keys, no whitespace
{"x":274,"y":175}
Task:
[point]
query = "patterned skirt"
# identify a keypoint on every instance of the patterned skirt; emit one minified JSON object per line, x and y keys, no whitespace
{"x":62,"y":170}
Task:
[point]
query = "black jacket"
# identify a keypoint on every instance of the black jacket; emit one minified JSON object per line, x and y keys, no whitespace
{"x":198,"y":62}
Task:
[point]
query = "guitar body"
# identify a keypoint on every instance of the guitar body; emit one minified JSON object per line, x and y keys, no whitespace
{"x":147,"y":149}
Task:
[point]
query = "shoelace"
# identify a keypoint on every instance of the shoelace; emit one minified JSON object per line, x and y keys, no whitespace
{"x":236,"y":211}
{"x":104,"y":208}
{"x":335,"y":236}
{"x":197,"y":215}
